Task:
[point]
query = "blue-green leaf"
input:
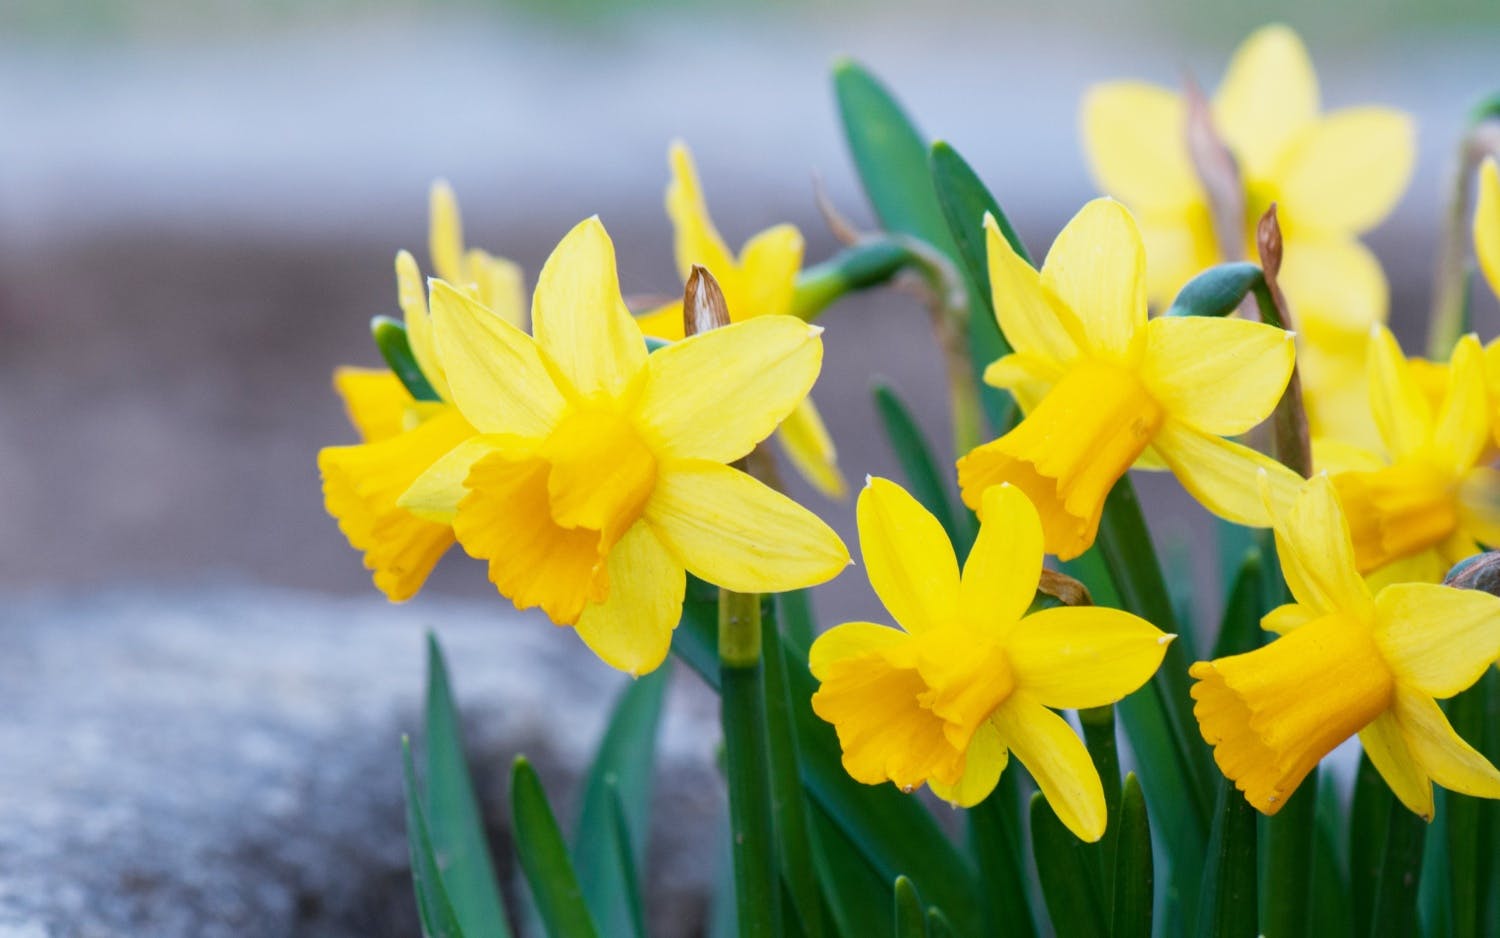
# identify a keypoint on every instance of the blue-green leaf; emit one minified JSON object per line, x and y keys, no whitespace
{"x":1069,"y":881}
{"x":1218,"y":291}
{"x":910,"y":922}
{"x":1230,"y":903}
{"x":434,"y":910}
{"x":1130,"y":915}
{"x":544,"y":858}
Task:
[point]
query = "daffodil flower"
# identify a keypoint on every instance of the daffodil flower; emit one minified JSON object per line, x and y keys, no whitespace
{"x":402,"y":436}
{"x":1487,"y":223}
{"x":599,"y":475}
{"x":1332,"y":176}
{"x":759,"y":282}
{"x":1104,"y":389}
{"x":1349,"y":662}
{"x":969,"y":677}
{"x":1418,"y":509}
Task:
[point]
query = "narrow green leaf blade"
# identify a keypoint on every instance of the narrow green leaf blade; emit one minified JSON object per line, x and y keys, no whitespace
{"x":857,"y":895}
{"x":1470,"y":842}
{"x":996,"y":842}
{"x":1369,"y":813}
{"x":1069,"y":883}
{"x":1229,"y":902}
{"x":938,"y":925}
{"x":391,"y":339}
{"x":910,"y":922}
{"x":626,"y":854}
{"x":544,"y":858}
{"x":621,"y":772}
{"x":1290,"y":844}
{"x":1135,"y":881}
{"x":923,"y":480}
{"x":457,"y":827}
{"x":1395,"y":910}
{"x":1332,"y":914}
{"x":433,"y":908}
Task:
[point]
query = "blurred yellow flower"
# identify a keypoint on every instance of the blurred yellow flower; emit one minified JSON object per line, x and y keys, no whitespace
{"x":1333,"y":176}
{"x":403,"y":436}
{"x":1487,"y":223}
{"x":1418,"y":509}
{"x":1348,"y":662}
{"x":969,"y":677}
{"x":599,"y":475}
{"x":1104,"y":389}
{"x":759,"y":282}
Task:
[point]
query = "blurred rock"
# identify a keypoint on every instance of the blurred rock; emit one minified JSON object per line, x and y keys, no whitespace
{"x":224,"y":761}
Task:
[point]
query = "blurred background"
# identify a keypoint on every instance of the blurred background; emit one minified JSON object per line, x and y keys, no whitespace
{"x":200,"y":203}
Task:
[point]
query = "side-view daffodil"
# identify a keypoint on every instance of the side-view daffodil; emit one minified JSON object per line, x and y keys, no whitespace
{"x":759,"y":282}
{"x":1418,"y":509}
{"x":600,"y":475}
{"x":1104,"y":389}
{"x":403,"y":436}
{"x":969,"y":677}
{"x":1332,"y":176}
{"x":1349,"y":662}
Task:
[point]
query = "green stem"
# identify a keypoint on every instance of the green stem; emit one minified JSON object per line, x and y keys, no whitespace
{"x":1289,"y":846}
{"x":746,"y":751}
{"x":868,"y":263}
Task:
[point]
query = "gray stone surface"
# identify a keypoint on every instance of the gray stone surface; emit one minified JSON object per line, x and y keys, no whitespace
{"x":224,"y":761}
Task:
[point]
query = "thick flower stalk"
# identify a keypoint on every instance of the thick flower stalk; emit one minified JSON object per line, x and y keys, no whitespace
{"x":760,"y":281}
{"x":1349,"y":662}
{"x":969,"y":677}
{"x":599,"y":474}
{"x":1104,"y":389}
{"x":1419,"y":508}
{"x":1332,"y":176}
{"x":403,"y":436}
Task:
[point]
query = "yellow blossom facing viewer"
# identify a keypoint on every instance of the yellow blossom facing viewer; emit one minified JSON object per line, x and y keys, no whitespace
{"x":761,"y":281}
{"x":1104,"y":389}
{"x":1349,"y":662}
{"x":969,"y":677}
{"x":1332,"y":176}
{"x":401,"y":435}
{"x":599,"y":474}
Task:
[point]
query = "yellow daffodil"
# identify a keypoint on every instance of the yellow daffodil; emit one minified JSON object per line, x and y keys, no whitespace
{"x":599,"y":475}
{"x":969,"y":677}
{"x":1487,"y":223}
{"x":1418,"y":509}
{"x":1103,"y":388}
{"x":402,"y":436}
{"x":1332,"y":176}
{"x":759,"y":282}
{"x":1349,"y":662}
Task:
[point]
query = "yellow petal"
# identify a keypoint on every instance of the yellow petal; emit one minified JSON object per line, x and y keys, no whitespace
{"x":1462,"y":430}
{"x":1401,"y":409}
{"x":737,"y":533}
{"x":500,"y":285}
{"x":1135,"y":138}
{"x":602,"y":472}
{"x":1336,"y":393}
{"x":1222,"y":474}
{"x":1387,"y":749}
{"x":411,"y":293}
{"x":631,"y":630}
{"x":375,"y":400}
{"x":1179,"y":246}
{"x":697,"y":241}
{"x":1035,"y":323}
{"x":1001,"y":574}
{"x":1286,"y":617}
{"x":1346,"y":172}
{"x":495,"y":370}
{"x":435,"y":494}
{"x":984,"y":760}
{"x":1316,"y":554}
{"x":1073,"y":658}
{"x":849,"y":640}
{"x":1026,"y":377}
{"x":908,"y":557}
{"x":445,"y":236}
{"x":1336,"y":456}
{"x":1268,"y":95}
{"x":1218,"y":376}
{"x":1487,"y":224}
{"x":769,"y":263}
{"x":1479,"y":504}
{"x":715,"y":395}
{"x":1057,"y":759}
{"x":1097,"y":268}
{"x":806,"y":442}
{"x":663,"y":322}
{"x":1336,"y":288}
{"x":579,"y":317}
{"x":1443,"y":754}
{"x":1439,"y":640}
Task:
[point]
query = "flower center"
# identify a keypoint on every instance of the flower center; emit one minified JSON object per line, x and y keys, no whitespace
{"x":1069,"y":452}
{"x":601,"y":473}
{"x":967,"y":677}
{"x":1397,"y":511}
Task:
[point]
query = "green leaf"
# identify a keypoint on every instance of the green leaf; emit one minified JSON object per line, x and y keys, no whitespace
{"x":433,"y":907}
{"x":1239,"y":630}
{"x":544,"y":858}
{"x":1130,"y":916}
{"x":390,"y":337}
{"x":857,"y":895}
{"x":456,"y":826}
{"x":1218,"y":291}
{"x":621,"y":772}
{"x":1369,"y":813}
{"x":910,"y":922}
{"x":795,"y":613}
{"x":995,"y":841}
{"x":1332,"y":914}
{"x":1395,"y":909}
{"x":1470,"y":842}
{"x":923,"y":479}
{"x":1066,"y":869}
{"x":626,"y":856}
{"x":1290,"y":843}
{"x":1229,"y":903}
{"x":938,"y":925}
{"x":1099,"y":738}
